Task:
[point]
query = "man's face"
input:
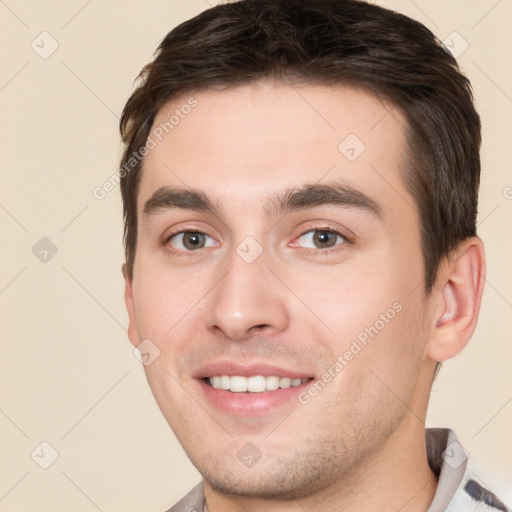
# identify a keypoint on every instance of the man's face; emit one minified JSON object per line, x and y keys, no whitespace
{"x":245,"y":288}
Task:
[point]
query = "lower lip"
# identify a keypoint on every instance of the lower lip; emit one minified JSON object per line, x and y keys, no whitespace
{"x":251,"y":404}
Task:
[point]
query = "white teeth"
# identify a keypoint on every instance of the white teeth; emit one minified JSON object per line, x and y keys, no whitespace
{"x":255,"y":384}
{"x":238,"y":384}
{"x":285,"y":382}
{"x":225,"y":382}
{"x":272,"y":383}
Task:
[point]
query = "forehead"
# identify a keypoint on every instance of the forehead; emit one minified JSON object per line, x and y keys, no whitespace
{"x":244,"y":144}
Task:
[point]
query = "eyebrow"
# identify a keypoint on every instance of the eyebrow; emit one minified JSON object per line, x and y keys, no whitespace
{"x":296,"y":198}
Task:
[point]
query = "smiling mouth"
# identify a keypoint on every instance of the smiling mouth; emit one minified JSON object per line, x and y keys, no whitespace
{"x":253,"y":384}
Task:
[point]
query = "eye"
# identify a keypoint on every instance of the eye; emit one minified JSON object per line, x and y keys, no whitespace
{"x":321,"y":239}
{"x":190,"y":240}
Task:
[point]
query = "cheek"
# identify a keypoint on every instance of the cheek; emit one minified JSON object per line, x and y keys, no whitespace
{"x":168,"y":308}
{"x":375,"y":324}
{"x":163,"y":300}
{"x":349,"y":302}
{"x":390,"y":359}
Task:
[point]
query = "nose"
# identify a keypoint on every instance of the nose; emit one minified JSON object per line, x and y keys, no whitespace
{"x":248,"y":299}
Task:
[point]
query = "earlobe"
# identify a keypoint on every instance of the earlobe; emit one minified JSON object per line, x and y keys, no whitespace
{"x":459,"y":293}
{"x":133,"y":334}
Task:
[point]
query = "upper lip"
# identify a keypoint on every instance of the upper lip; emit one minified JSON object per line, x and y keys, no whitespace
{"x":248,"y":370}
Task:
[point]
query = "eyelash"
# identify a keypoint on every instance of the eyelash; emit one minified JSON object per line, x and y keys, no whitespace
{"x":345,"y":241}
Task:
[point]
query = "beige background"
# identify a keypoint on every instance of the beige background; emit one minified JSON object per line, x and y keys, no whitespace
{"x":67,"y":372}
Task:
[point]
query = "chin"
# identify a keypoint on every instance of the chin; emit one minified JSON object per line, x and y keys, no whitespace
{"x":269,"y":478}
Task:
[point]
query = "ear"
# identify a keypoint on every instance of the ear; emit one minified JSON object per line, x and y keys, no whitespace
{"x":133,"y":334}
{"x":458,"y":294}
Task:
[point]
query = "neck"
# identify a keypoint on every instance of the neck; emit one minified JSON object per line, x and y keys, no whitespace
{"x":395,"y":477}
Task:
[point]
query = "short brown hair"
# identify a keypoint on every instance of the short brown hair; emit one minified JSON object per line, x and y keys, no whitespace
{"x":328,"y":42}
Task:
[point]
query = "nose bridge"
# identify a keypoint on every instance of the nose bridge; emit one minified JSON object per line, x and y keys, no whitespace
{"x":246,"y":296}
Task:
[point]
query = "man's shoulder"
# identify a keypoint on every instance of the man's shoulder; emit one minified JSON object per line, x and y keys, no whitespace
{"x":191,"y":502}
{"x":473,"y":496}
{"x":460,"y":487}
